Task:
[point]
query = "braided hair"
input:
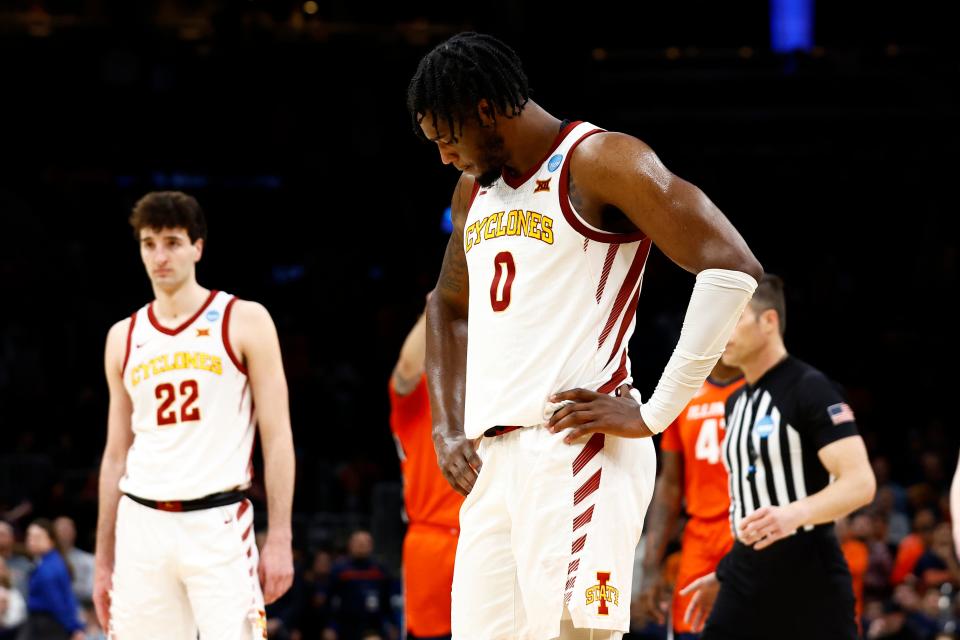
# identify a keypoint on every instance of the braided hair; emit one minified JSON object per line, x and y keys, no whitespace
{"x":452,"y":79}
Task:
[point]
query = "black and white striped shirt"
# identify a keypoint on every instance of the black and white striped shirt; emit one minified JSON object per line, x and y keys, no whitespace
{"x":775,"y":427}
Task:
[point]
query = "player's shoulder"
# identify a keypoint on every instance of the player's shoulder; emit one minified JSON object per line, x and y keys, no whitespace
{"x":607,"y":145}
{"x":248,"y":312}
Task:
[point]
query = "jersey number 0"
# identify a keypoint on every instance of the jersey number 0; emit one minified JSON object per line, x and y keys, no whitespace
{"x":500,"y":296}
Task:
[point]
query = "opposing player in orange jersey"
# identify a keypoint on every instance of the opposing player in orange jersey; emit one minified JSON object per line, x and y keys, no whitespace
{"x":433,"y":507}
{"x":691,"y":470}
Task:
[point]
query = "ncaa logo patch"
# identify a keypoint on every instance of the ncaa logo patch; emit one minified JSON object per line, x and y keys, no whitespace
{"x":555,"y":161}
{"x":212,"y":316}
{"x":765,"y":427}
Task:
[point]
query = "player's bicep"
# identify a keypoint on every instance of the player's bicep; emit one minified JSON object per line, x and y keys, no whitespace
{"x":119,"y":432}
{"x":680,"y":219}
{"x":259,"y":347}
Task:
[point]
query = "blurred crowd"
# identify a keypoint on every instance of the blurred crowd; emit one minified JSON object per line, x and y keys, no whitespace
{"x":337,"y":594}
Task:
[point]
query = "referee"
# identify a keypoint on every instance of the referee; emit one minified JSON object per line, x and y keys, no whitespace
{"x":789,"y":433}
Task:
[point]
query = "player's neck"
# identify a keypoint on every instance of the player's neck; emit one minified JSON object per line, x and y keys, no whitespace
{"x":531,"y":137}
{"x":175,"y":305}
{"x":764,"y":360}
{"x":723,"y":373}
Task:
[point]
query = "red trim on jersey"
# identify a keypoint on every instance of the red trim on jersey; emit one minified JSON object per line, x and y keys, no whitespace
{"x":572,"y":581}
{"x":573,"y":566}
{"x":587,"y":488}
{"x":225,"y":331}
{"x":631,"y":311}
{"x":243,"y":508}
{"x":172,"y":332}
{"x":516,"y":182}
{"x":629,"y":284}
{"x":578,"y":545}
{"x":126,"y":356}
{"x":583,"y":518}
{"x":618,"y":376}
{"x":592,"y":448}
{"x":246,"y":533}
{"x":607,"y":264}
{"x":573,"y":218}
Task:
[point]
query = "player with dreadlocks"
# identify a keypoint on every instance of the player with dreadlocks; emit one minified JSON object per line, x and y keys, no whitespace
{"x":534,"y":416}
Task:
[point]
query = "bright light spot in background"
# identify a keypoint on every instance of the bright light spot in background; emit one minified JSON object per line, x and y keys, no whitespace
{"x":791,"y":25}
{"x":310,"y":7}
{"x":446,"y":223}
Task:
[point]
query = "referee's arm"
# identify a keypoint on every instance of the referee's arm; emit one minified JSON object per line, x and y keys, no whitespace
{"x":854,"y":486}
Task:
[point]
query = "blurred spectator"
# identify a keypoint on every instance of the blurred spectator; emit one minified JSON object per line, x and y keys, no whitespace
{"x":359,"y":595}
{"x":18,"y":565}
{"x":13,"y":610}
{"x":53,"y":611}
{"x":80,"y":561}
{"x":316,"y":587}
{"x":897,"y":523}
{"x":857,"y":555}
{"x":892,"y":625}
{"x":913,"y":546}
{"x":938,"y":564}
{"x":871,"y":528}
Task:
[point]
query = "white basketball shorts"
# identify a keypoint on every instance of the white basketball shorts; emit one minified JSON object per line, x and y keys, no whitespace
{"x":176,"y":573}
{"x":547,"y":526}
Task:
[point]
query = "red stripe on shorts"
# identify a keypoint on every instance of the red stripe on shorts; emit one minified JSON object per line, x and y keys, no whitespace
{"x":588,"y":487}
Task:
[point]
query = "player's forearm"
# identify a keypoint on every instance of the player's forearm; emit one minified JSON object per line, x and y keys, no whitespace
{"x":111,"y":470}
{"x":279,"y":470}
{"x":955,"y":509}
{"x":446,"y":360}
{"x":839,"y":498}
{"x":660,"y":524}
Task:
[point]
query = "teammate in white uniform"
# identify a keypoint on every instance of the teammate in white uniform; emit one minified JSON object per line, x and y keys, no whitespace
{"x":175,"y":543}
{"x":553,"y":222}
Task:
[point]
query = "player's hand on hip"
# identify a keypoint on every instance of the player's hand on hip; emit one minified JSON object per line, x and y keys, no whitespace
{"x":102,"y":583}
{"x":458,"y":460}
{"x":704,"y":590}
{"x":766,"y":525}
{"x":591,"y":412}
{"x":654,"y":599}
{"x":276,"y":568}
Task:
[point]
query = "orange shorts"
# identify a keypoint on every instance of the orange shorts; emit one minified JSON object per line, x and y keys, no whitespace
{"x":704,"y":543}
{"x":428,"y":554}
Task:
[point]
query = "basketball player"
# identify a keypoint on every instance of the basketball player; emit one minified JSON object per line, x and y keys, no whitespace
{"x":175,"y":547}
{"x":693,"y":473}
{"x":553,"y":222}
{"x":432,"y":505}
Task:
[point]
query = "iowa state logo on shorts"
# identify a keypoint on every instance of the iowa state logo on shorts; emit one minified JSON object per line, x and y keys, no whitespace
{"x":603,"y":593}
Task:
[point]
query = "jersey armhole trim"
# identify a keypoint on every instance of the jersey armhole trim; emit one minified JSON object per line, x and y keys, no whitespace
{"x":574,"y":219}
{"x":473,"y":196}
{"x":226,"y":337}
{"x":126,"y":355}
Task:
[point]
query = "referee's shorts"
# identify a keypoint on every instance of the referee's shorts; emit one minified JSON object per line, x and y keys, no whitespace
{"x":799,"y":587}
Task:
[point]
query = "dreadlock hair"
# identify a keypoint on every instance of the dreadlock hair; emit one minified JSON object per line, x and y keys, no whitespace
{"x":452,"y":79}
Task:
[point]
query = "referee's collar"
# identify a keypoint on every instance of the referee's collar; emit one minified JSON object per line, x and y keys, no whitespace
{"x":772,"y":371}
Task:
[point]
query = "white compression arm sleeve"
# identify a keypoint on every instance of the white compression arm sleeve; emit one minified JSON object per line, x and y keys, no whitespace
{"x":719,"y":297}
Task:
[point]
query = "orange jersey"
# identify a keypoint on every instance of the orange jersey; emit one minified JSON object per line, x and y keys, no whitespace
{"x":697,"y":435}
{"x":429,"y":499}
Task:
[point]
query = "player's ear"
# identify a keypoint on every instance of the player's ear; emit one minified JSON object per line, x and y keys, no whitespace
{"x":485,"y":112}
{"x":198,"y":246}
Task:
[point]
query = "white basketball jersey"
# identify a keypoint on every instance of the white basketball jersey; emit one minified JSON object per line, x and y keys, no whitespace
{"x":552,"y":299}
{"x":193,"y":420}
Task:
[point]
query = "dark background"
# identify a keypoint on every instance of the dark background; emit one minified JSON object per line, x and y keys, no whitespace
{"x":837,"y":165}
